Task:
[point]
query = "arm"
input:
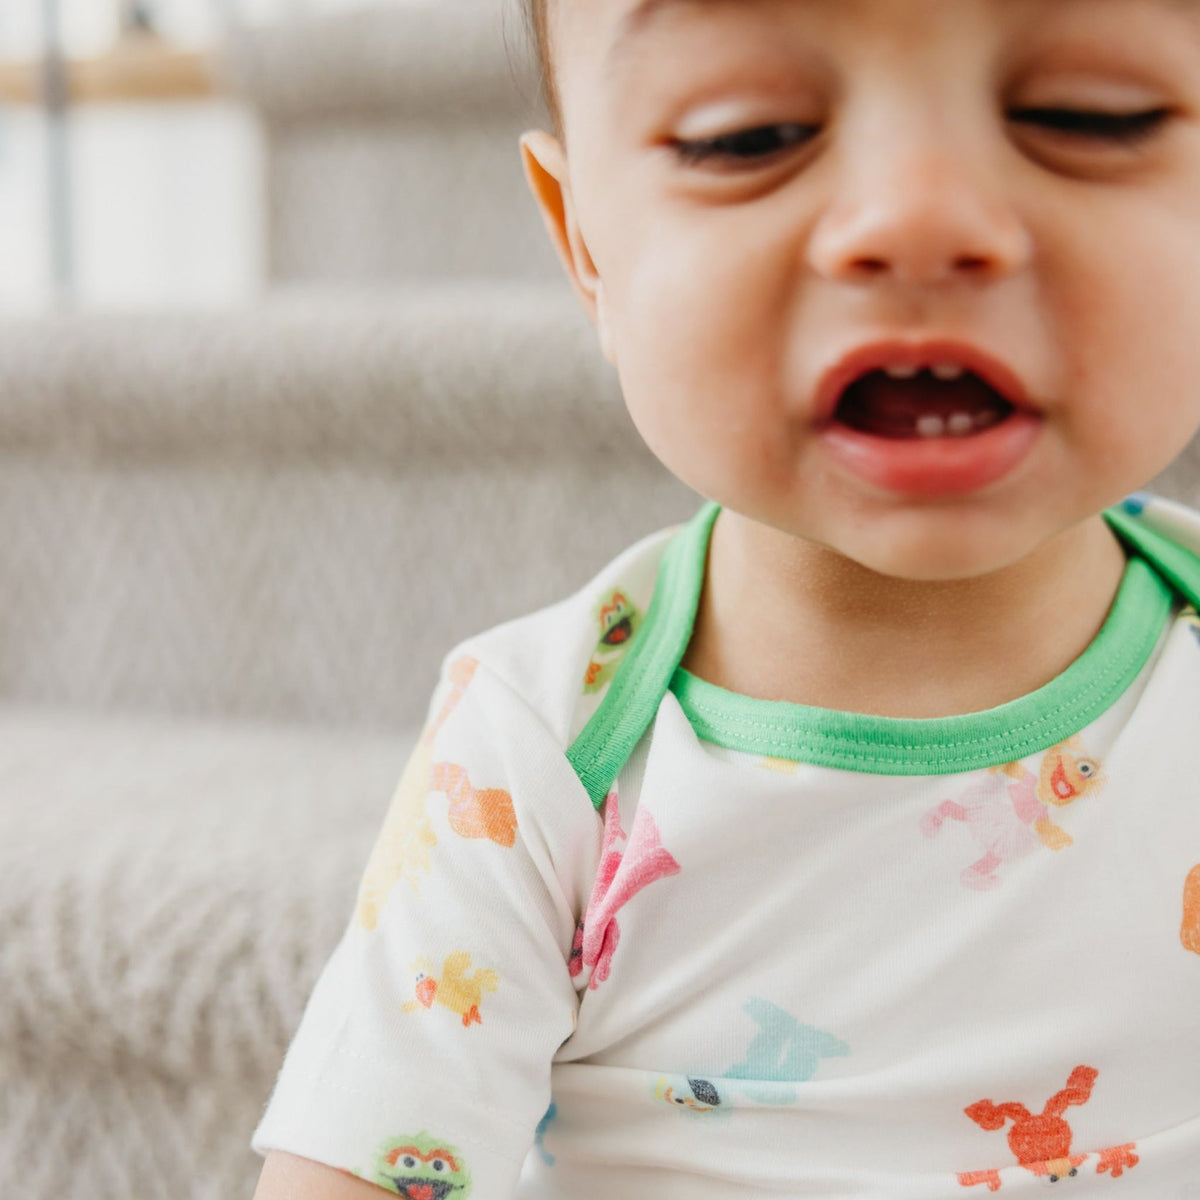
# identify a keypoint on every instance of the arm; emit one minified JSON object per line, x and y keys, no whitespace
{"x":288,"y":1177}
{"x":424,"y":1053}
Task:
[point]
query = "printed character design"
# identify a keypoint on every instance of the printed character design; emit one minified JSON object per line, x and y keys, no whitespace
{"x":784,"y":766}
{"x":1007,"y":809}
{"x":540,"y":1134}
{"x":421,"y":1168}
{"x":618,"y":621}
{"x":783,"y":1052}
{"x":1042,"y":1142}
{"x":700,"y":1096}
{"x":401,"y":850}
{"x":475,"y":812}
{"x":1189,"y":933}
{"x":624,"y":871}
{"x":459,"y":991}
{"x":1191,"y":618}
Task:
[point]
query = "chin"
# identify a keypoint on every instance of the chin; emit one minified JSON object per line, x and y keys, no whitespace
{"x":922,"y":559}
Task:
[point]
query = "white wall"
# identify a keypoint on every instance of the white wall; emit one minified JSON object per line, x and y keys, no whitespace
{"x":166,"y":206}
{"x":89,"y":25}
{"x":167,"y":199}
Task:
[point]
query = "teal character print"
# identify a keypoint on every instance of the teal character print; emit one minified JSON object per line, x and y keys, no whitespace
{"x":618,"y":619}
{"x":783,"y":1052}
{"x":540,"y":1136}
{"x":421,"y":1168}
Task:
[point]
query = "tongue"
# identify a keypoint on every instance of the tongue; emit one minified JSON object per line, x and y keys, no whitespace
{"x":887,"y":407}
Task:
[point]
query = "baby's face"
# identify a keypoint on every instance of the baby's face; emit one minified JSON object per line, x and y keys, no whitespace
{"x":888,"y":169}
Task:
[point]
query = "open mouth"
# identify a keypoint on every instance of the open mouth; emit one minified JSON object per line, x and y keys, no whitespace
{"x":921,"y":407}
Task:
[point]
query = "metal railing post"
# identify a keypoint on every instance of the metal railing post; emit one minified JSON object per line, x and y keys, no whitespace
{"x":55,"y":100}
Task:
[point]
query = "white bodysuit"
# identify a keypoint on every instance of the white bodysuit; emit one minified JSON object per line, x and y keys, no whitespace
{"x":627,"y":934}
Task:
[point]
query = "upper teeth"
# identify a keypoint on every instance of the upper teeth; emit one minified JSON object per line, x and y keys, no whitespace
{"x":941,"y":370}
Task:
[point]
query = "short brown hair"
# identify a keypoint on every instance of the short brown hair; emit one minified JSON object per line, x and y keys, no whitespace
{"x":537,"y":20}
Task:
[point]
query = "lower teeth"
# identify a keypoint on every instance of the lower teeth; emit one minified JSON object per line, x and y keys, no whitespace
{"x":957,"y":424}
{"x":920,"y":407}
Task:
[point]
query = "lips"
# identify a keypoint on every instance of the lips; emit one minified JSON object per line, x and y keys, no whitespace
{"x":918,"y":437}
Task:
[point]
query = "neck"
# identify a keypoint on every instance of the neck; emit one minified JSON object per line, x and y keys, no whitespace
{"x":782,"y":618}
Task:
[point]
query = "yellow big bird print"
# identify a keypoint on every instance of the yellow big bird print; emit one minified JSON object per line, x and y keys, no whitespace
{"x":454,"y":989}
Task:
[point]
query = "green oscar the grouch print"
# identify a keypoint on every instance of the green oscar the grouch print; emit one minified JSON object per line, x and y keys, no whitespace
{"x":421,"y":1168}
{"x":618,"y":621}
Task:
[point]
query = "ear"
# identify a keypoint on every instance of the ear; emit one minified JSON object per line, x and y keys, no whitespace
{"x":545,"y":164}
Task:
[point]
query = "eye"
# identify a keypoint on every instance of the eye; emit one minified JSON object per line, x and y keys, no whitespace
{"x":438,"y":1165}
{"x":1123,"y":128}
{"x":750,"y":146}
{"x":753,"y":147}
{"x":409,"y":1161}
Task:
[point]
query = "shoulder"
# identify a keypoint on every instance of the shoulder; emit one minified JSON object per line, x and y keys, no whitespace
{"x":1167,"y":534}
{"x":555,"y":663}
{"x":1168,"y":518}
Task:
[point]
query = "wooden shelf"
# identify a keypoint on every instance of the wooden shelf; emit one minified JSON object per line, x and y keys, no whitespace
{"x":140,"y":69}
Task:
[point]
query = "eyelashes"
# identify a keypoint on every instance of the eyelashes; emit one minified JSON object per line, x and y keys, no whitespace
{"x":753,"y":146}
{"x":1129,"y":128}
{"x":744,"y":146}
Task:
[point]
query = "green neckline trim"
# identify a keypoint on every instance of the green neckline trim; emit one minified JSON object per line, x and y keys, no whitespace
{"x":632,"y":698}
{"x":861,"y":742}
{"x":944,"y":745}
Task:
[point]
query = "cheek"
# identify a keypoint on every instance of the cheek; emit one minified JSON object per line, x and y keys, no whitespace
{"x":1127,"y":402}
{"x":703,"y":314}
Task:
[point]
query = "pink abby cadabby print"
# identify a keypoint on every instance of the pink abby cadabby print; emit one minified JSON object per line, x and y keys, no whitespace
{"x":624,"y":871}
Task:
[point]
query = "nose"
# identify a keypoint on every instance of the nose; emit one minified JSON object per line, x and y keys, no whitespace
{"x":920,"y":210}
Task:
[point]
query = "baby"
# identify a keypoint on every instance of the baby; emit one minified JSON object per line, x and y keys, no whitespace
{"x":845,"y":840}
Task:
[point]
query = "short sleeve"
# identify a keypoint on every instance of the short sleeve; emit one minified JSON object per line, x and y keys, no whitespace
{"x":422,"y":1062}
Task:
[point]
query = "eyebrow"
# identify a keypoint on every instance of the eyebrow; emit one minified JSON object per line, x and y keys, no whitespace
{"x":649,"y":12}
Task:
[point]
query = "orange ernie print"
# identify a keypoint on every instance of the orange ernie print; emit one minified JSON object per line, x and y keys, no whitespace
{"x":1189,"y":934}
{"x":1041,"y":1142}
{"x":475,"y":812}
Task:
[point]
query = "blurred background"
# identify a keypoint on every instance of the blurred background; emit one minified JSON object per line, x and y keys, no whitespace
{"x":150,"y":190}
{"x":136,"y":153}
{"x":294,"y":397}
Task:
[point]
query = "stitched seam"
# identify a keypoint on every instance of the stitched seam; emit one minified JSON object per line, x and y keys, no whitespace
{"x":844,"y":739}
{"x":327,"y":1085}
{"x":818,"y":741}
